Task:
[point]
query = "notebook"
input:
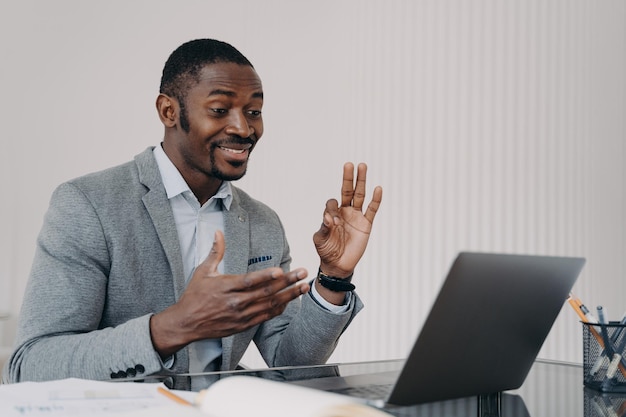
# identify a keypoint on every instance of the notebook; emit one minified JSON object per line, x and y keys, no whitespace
{"x":483,"y":333}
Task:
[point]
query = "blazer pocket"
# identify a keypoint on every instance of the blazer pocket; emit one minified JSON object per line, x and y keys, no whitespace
{"x":260,"y":262}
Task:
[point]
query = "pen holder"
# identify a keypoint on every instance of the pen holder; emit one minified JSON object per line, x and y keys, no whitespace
{"x":604,"y":361}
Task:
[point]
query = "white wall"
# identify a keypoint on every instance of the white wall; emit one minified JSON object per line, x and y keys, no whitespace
{"x":491,"y":124}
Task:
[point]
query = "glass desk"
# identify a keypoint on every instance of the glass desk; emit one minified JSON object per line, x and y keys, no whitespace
{"x":552,"y":389}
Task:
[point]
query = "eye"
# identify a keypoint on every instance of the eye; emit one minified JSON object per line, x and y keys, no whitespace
{"x":219,"y":111}
{"x":254,"y":114}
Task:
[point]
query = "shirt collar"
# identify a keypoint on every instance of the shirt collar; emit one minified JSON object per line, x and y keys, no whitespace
{"x":175,"y":184}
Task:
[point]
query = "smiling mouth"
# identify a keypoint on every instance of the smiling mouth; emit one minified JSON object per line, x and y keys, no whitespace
{"x":236,"y":149}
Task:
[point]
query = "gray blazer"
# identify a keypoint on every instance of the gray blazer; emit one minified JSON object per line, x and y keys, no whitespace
{"x":108,"y":258}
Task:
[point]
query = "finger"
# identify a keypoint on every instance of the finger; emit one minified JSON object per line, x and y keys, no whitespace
{"x":269,"y":295}
{"x":329,"y":218}
{"x":216,"y":254}
{"x":359,"y":189}
{"x":331,"y":212}
{"x":268,"y":281}
{"x":269,"y":307}
{"x":347,"y":186}
{"x":373,"y":206}
{"x":287,"y":295}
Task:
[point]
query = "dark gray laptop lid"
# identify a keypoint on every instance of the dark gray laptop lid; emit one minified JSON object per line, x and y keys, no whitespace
{"x":486,"y":326}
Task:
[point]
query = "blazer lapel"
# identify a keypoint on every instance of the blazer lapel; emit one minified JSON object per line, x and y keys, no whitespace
{"x":160,"y":211}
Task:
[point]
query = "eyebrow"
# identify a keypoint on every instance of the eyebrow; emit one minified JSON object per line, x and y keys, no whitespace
{"x":218,"y":92}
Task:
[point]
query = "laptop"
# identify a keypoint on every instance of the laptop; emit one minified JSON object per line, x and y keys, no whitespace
{"x":483,"y":333}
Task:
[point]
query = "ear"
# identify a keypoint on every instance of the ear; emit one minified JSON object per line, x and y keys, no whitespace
{"x":167,"y":108}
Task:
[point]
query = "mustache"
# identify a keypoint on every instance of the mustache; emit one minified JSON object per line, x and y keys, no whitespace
{"x":235,"y":140}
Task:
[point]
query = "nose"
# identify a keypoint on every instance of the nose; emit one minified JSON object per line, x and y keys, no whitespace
{"x":238,"y":125}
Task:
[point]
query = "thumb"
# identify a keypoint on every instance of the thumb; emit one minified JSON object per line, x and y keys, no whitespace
{"x":324,"y":230}
{"x":216,"y":254}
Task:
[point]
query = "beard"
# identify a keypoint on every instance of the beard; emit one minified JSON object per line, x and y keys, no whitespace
{"x":218,"y":173}
{"x":221,"y":175}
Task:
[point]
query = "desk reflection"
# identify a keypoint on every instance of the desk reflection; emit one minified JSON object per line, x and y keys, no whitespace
{"x":510,"y":405}
{"x":552,"y":389}
{"x":601,"y":404}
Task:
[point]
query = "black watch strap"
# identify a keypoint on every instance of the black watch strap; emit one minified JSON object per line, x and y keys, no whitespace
{"x":334,"y":283}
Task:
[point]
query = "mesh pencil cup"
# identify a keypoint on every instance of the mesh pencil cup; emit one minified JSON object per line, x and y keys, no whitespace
{"x":604,"y":361}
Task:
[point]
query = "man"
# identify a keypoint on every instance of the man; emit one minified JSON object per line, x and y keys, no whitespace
{"x":161,"y":263}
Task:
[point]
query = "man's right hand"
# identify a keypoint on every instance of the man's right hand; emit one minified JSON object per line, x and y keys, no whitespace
{"x":215,"y":305}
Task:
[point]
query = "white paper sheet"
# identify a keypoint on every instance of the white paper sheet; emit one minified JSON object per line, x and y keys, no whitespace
{"x":78,"y":397}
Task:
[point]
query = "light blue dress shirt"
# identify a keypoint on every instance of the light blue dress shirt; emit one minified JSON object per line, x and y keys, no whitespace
{"x":196,"y":226}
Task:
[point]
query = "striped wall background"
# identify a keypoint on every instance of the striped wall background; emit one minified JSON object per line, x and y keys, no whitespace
{"x":493,"y":125}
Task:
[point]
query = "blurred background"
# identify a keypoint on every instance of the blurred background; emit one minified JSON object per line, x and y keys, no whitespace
{"x":492,"y":125}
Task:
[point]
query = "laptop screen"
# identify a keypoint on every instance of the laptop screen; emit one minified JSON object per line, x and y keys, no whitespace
{"x":486,"y":326}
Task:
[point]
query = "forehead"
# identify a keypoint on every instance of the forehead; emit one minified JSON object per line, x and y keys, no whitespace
{"x":228,"y":79}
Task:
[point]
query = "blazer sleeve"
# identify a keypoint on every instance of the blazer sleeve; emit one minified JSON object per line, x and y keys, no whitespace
{"x":59,"y":332}
{"x":306,"y":333}
{"x":313,"y":332}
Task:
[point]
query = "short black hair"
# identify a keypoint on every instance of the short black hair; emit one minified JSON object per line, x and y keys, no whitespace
{"x":182,"y":68}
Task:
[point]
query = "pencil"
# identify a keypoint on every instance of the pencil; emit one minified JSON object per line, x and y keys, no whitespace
{"x":573,"y":299}
{"x":576,"y":307}
{"x":169,"y":394}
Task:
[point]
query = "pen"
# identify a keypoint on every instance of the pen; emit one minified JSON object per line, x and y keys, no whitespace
{"x":602,"y":358}
{"x":617,"y":359}
{"x":605,"y":335}
{"x":601,"y":361}
{"x":169,"y":394}
{"x":615,"y":336}
{"x":601,"y":315}
{"x":590,"y":317}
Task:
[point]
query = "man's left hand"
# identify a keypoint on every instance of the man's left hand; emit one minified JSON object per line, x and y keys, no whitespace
{"x":345,"y":231}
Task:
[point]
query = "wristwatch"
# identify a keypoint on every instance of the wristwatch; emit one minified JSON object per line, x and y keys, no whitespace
{"x":334,"y":283}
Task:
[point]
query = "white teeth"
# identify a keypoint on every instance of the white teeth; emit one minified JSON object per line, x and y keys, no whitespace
{"x":238,"y":151}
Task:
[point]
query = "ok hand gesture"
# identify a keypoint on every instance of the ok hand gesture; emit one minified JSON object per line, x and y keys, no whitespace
{"x":345,"y":231}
